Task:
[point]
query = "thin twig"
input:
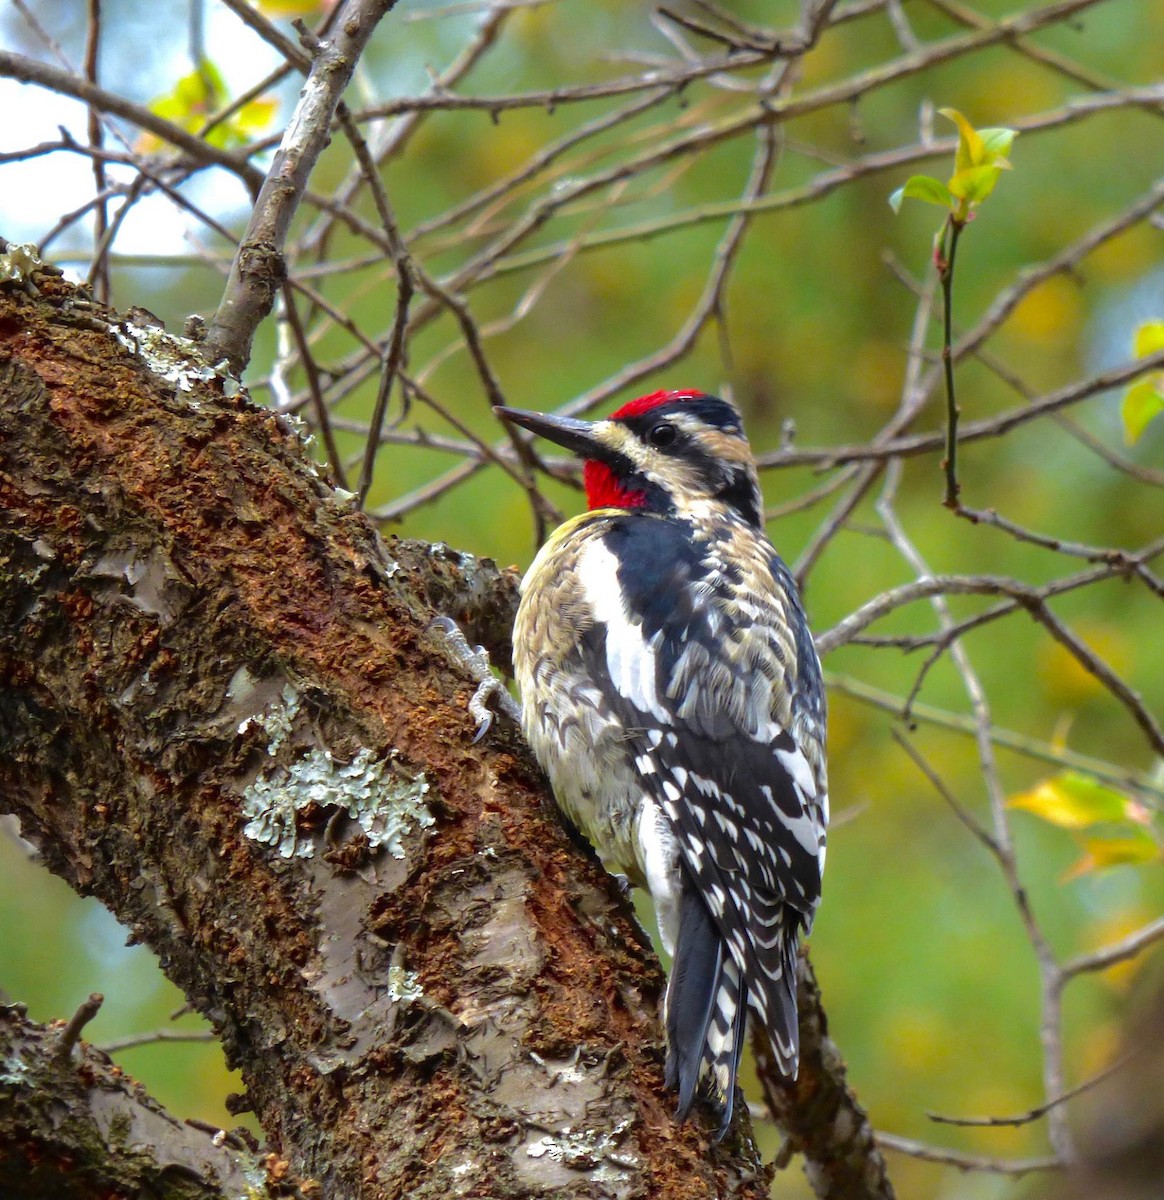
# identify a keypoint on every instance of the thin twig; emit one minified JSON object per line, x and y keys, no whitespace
{"x":944,"y":256}
{"x":1040,"y":1110}
{"x":1017,"y":743}
{"x":65,"y":83}
{"x":71,"y":1033}
{"x":259,"y":269}
{"x":133,"y":1040}
{"x":964,"y":1161}
{"x":311,"y":370}
{"x":1123,"y":950}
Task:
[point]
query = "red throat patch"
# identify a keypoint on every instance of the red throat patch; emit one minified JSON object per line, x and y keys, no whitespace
{"x":603,"y":489}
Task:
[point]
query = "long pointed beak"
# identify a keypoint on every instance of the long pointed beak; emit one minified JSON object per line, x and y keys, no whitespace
{"x":566,"y":431}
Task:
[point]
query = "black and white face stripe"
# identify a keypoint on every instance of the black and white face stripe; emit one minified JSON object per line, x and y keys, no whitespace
{"x":708,"y":411}
{"x":703,"y":439}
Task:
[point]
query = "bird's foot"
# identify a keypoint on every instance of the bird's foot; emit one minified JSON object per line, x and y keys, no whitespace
{"x":475,"y":660}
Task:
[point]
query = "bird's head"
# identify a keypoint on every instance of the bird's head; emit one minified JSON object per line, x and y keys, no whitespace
{"x":661,"y":452}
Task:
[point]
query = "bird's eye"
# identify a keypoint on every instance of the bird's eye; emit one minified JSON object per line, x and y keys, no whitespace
{"x":662,"y":434}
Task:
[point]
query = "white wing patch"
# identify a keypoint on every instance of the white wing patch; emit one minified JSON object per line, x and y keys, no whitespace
{"x":661,"y":867}
{"x":631,"y":660}
{"x":794,"y":762}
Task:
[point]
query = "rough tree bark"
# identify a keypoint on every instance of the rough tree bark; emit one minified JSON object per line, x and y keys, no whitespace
{"x":204,"y":653}
{"x":223,"y":713}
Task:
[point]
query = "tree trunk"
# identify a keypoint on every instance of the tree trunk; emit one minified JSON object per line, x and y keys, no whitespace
{"x":222,"y":713}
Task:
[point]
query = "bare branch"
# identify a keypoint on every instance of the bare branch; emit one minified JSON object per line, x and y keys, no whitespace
{"x":1121,"y":951}
{"x":258,"y":269}
{"x":967,"y":1162}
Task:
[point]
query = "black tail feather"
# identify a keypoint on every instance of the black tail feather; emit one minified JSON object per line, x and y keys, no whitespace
{"x":740,"y":1029}
{"x":706,"y":1008}
{"x":784,"y":1024}
{"x":691,"y":992}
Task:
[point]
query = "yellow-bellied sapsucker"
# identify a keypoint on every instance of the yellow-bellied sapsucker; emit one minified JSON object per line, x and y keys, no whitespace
{"x":671,"y":691}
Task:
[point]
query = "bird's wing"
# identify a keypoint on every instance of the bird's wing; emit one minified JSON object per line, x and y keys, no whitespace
{"x":702,"y":648}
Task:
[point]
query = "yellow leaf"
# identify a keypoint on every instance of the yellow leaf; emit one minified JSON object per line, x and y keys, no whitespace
{"x":255,"y":117}
{"x":1149,"y":338}
{"x":971,"y":151}
{"x":1115,"y":852}
{"x":192,"y":97}
{"x":1073,"y":801}
{"x":1101,"y":853}
{"x":1142,"y":402}
{"x":290,"y":8}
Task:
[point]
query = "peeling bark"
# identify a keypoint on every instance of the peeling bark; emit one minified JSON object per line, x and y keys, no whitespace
{"x":222,"y":713}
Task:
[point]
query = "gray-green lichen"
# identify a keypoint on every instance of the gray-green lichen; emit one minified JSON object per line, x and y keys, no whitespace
{"x":294,"y":424}
{"x":403,"y":984}
{"x":255,"y":1174}
{"x":177,"y":360}
{"x":277,"y":720}
{"x":18,"y":262}
{"x":386,"y":803}
{"x":584,"y":1149}
{"x":14,"y":1072}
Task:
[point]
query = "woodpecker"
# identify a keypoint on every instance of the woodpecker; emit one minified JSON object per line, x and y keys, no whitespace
{"x":671,"y":691}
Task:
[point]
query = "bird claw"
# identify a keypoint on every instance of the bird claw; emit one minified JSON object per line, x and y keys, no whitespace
{"x":479,"y":708}
{"x":476,"y":660}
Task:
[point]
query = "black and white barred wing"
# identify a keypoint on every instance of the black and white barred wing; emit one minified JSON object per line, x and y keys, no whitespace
{"x":714,"y":677}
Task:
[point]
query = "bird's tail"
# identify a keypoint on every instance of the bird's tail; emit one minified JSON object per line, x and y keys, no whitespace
{"x":705,"y":1011}
{"x":775,"y":934}
{"x":706,"y":1007}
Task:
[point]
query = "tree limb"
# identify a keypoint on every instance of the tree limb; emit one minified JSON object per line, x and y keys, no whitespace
{"x":207,"y":660}
{"x":819,"y":1113}
{"x":81,"y":1129}
{"x":258,"y":270}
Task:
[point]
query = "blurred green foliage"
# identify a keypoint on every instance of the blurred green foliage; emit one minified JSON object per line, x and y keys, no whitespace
{"x":928,"y":977}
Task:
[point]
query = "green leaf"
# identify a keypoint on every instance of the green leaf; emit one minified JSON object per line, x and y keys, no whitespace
{"x":975,"y":183}
{"x":1143,"y":402}
{"x":923,"y":187}
{"x":970,"y":150}
{"x":997,"y":142}
{"x":193,"y":97}
{"x":1074,"y":801}
{"x":1149,"y":338}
